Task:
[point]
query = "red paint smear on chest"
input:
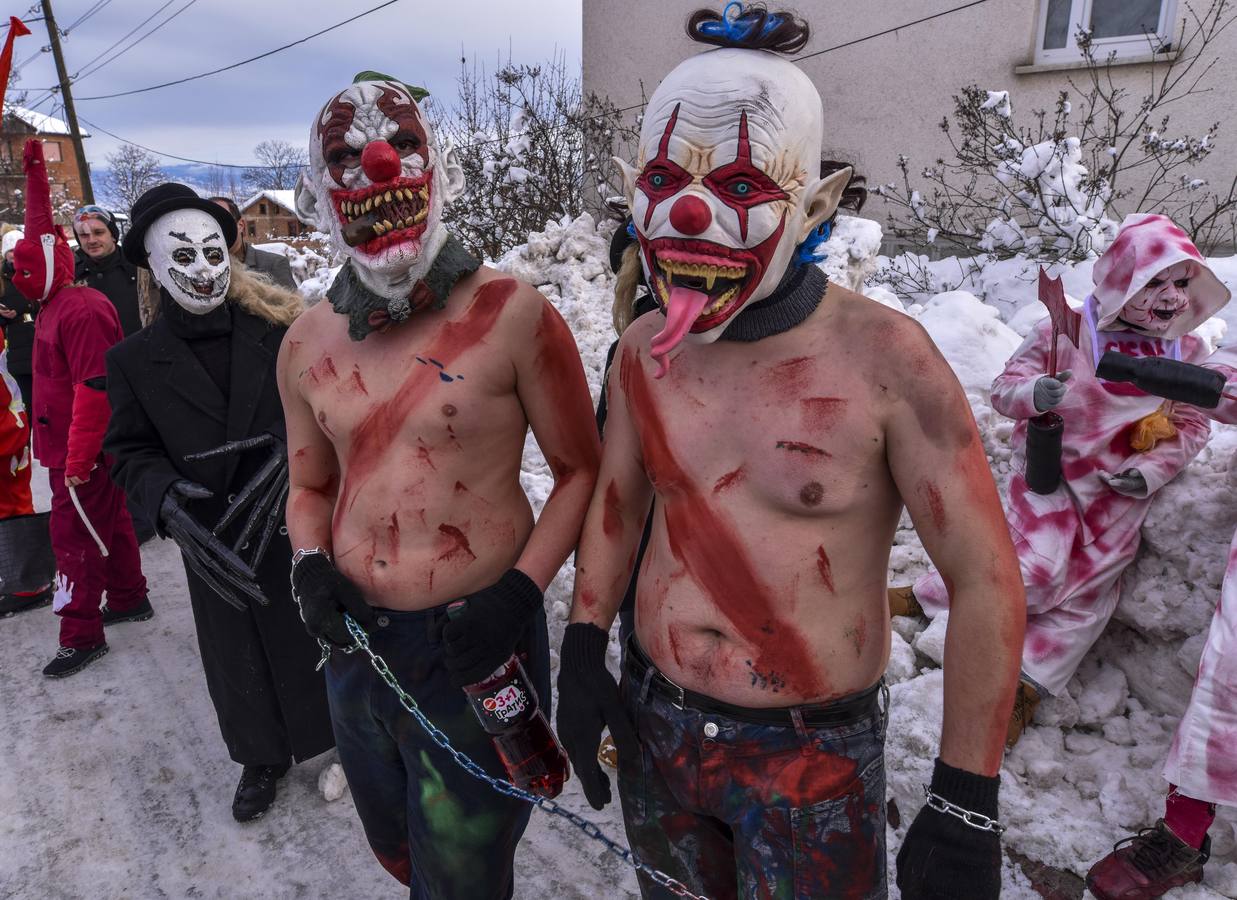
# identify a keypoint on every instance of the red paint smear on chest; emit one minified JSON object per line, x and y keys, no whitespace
{"x":357,"y":382}
{"x":376,"y":433}
{"x":824,"y":567}
{"x":730,"y":479}
{"x":612,"y":521}
{"x":323,"y":370}
{"x":800,"y":447}
{"x":458,"y":546}
{"x":822,"y":412}
{"x":790,"y":375}
{"x":706,"y":544}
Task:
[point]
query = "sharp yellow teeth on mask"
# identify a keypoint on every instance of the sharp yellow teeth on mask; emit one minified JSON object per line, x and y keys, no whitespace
{"x":708,"y":272}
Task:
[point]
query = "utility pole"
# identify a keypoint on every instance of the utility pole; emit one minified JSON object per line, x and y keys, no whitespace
{"x":75,"y":133}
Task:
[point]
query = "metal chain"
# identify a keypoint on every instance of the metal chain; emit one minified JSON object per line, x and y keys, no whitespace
{"x":976,"y":820}
{"x":503,"y":787}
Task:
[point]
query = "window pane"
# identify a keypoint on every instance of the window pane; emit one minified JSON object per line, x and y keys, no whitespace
{"x":1056,"y":28}
{"x":51,"y":151}
{"x":1121,"y":18}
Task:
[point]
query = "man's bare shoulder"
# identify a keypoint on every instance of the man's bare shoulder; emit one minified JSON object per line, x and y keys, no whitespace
{"x":522,"y":304}
{"x":892,"y":340}
{"x":314,"y":323}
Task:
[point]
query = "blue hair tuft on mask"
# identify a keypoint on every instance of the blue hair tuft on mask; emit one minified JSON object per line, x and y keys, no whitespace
{"x":811,"y":250}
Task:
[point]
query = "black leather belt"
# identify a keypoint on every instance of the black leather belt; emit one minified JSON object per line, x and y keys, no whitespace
{"x":843,"y":711}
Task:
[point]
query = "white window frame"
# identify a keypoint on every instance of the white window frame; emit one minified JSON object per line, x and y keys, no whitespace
{"x":1123,"y":46}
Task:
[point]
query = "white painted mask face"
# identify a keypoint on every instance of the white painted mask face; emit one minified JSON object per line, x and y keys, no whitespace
{"x":1155,"y":308}
{"x":377,"y":184}
{"x":725,"y":187}
{"x":189,"y":259}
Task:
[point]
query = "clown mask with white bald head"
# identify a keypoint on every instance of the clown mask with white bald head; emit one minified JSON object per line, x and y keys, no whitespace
{"x":377,"y":184}
{"x":188,"y":258}
{"x":725,"y":189}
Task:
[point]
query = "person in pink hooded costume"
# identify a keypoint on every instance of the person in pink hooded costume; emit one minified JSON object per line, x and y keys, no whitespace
{"x":1120,"y":446}
{"x":1201,"y":769}
{"x":75,"y":327}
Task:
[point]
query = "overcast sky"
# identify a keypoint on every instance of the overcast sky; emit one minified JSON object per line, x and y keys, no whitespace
{"x":222,"y":117}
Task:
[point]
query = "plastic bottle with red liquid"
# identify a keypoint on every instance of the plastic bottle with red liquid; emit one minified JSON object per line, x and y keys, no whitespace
{"x":506,"y":706}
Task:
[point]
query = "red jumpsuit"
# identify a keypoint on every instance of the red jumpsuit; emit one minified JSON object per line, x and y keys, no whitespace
{"x":14,"y":448}
{"x":74,"y":330}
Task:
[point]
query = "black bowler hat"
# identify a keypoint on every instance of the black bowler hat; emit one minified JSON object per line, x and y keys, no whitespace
{"x":162,"y":199}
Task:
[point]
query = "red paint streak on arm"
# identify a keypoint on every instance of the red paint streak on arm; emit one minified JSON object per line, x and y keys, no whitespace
{"x":313,"y":470}
{"x":709,"y":546}
{"x":729,"y":480}
{"x":615,"y":518}
{"x":554,"y":393}
{"x":949,"y":492}
{"x":612,"y":523}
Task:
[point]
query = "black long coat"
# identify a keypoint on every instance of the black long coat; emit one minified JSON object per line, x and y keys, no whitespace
{"x":259,"y":664}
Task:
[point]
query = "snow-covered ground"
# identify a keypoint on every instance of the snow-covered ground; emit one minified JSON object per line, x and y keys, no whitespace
{"x":115,"y":782}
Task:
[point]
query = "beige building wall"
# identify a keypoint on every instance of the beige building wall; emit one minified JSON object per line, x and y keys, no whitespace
{"x":887,"y":96}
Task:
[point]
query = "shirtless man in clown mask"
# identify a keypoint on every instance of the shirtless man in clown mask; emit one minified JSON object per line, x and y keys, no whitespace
{"x":408,"y":397}
{"x":777,"y":429}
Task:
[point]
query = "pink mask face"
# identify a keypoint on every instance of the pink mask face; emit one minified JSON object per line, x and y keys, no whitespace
{"x":1165,"y":298}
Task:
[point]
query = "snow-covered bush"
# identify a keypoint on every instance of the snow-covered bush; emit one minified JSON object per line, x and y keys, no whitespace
{"x":534,"y":148}
{"x":1052,"y":186}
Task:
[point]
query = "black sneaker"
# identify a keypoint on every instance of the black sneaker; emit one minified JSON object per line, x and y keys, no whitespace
{"x":256,"y":791}
{"x":12,"y":604}
{"x":69,"y":660}
{"x":139,"y":613}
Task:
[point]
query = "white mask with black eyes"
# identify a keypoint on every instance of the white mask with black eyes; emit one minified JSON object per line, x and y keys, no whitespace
{"x":189,"y":259}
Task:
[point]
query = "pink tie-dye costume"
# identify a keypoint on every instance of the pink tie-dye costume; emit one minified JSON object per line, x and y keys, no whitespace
{"x":1202,"y":761}
{"x":1074,"y":544}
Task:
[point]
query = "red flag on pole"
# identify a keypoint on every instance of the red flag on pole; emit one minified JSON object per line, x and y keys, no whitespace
{"x":1064,"y":320}
{"x":16,"y":29}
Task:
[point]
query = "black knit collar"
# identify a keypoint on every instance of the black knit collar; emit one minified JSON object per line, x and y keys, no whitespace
{"x":795,"y":298}
{"x":191,"y":327}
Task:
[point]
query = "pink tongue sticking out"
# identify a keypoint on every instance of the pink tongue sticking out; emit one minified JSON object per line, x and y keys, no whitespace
{"x":684,"y":308}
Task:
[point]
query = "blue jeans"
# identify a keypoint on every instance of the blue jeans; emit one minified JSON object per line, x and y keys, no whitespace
{"x":436,"y":828}
{"x":735,"y":809}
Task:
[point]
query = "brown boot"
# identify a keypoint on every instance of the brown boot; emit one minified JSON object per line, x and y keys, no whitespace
{"x":902,"y":602}
{"x":1147,"y":865}
{"x":1026,"y":699}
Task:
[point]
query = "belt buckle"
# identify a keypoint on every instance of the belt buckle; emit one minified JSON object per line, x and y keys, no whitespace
{"x":677,"y":697}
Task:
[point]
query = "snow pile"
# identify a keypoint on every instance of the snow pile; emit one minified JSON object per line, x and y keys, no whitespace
{"x":305,"y":262}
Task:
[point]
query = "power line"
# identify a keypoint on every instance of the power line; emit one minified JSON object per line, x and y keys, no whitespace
{"x":938,"y":15}
{"x":123,"y":39}
{"x":124,"y":50}
{"x":99,"y":4}
{"x":474,"y":145}
{"x":243,"y":62}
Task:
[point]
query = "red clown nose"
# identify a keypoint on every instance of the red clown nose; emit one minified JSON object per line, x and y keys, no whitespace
{"x":689,"y":215}
{"x":380,"y":161}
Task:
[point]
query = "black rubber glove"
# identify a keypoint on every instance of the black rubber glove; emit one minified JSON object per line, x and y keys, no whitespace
{"x":942,"y":857}
{"x":211,"y":560}
{"x":588,"y":701}
{"x":324,"y":595}
{"x":482,"y":636}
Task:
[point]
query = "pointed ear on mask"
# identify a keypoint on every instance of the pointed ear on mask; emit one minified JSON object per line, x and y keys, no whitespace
{"x":305,"y":202}
{"x":821,"y":198}
{"x":629,"y":175}
{"x":454,"y":174}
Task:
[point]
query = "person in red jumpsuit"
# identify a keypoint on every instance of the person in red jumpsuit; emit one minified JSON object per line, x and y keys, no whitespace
{"x":91,"y":532}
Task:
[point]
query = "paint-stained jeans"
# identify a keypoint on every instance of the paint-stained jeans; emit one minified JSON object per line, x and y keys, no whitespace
{"x":734,"y":809}
{"x":432,"y":825}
